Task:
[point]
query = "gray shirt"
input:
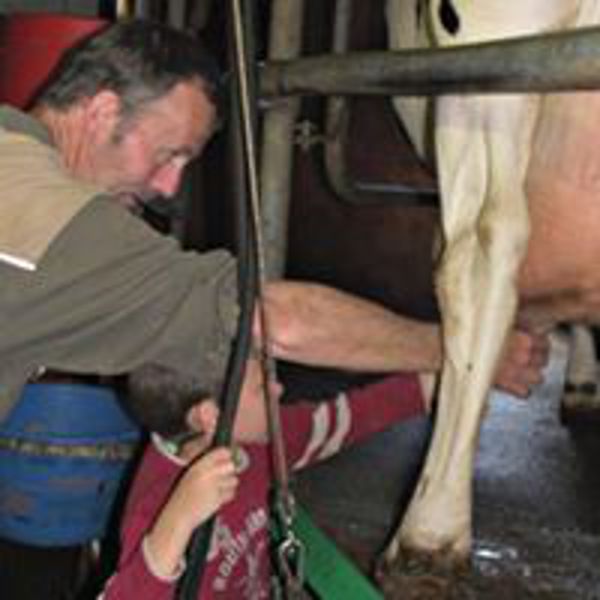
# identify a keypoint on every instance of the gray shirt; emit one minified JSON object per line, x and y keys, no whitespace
{"x":110,"y":294}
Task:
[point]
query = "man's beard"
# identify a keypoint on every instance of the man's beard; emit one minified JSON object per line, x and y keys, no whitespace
{"x":134,"y":201}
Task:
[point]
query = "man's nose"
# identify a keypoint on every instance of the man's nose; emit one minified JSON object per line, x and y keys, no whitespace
{"x":167,"y":179}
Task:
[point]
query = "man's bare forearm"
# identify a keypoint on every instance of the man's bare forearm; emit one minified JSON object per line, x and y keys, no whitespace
{"x":322,"y":326}
{"x":319,"y":325}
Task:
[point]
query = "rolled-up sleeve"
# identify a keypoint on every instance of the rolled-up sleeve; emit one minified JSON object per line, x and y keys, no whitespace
{"x":111,"y":293}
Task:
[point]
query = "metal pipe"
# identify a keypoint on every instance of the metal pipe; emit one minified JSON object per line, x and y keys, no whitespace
{"x":190,"y":582}
{"x":176,"y":10}
{"x":277,"y":138}
{"x":563,"y":61}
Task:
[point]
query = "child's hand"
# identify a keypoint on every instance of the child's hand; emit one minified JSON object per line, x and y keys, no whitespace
{"x":206,"y":485}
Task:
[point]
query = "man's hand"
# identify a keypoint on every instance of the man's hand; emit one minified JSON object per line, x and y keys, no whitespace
{"x":524,"y":358}
{"x":319,"y":325}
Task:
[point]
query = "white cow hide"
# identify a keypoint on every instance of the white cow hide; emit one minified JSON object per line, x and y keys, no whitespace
{"x":483,"y":146}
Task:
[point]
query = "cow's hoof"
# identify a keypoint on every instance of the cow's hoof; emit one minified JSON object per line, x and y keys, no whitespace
{"x":580,"y":407}
{"x":577,"y":418}
{"x":397,"y":583}
{"x":416,"y":587}
{"x":413,"y":575}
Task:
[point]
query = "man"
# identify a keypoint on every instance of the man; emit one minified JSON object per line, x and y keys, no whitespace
{"x":86,"y":286}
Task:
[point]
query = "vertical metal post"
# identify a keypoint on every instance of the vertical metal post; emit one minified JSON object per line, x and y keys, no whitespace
{"x":277,"y":138}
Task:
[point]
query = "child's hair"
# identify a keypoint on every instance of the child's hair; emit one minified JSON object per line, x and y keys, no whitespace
{"x":159,"y":397}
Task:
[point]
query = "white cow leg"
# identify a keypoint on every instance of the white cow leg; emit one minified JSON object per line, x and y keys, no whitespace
{"x":486,"y":232}
{"x":437,"y":525}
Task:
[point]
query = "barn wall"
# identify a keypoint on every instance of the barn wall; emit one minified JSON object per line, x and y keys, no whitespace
{"x":383,"y":252}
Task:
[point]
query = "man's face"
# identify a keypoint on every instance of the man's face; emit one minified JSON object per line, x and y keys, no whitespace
{"x":148,"y":159}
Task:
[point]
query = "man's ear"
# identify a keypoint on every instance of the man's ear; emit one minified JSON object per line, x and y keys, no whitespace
{"x":103,"y":111}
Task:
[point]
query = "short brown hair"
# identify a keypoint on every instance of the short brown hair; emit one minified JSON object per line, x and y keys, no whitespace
{"x":159,"y":397}
{"x":139,"y":60}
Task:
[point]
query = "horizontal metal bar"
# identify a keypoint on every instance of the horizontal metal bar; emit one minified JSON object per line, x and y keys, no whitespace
{"x":564,"y":61}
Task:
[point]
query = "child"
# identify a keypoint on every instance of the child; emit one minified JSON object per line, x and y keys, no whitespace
{"x":167,"y":501}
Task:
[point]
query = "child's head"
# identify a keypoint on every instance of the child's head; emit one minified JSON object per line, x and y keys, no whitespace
{"x":170,"y":403}
{"x":160,"y":398}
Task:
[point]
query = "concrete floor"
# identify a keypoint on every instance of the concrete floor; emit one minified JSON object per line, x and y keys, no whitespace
{"x":537,"y":493}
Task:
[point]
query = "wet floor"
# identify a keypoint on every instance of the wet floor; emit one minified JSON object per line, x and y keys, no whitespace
{"x":537,"y":500}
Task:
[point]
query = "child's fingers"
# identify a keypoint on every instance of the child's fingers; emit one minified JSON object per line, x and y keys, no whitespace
{"x":211,"y":470}
{"x":221,"y":457}
{"x":228,"y":487}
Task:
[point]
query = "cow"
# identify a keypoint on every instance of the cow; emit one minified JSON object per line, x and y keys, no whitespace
{"x":519,"y":177}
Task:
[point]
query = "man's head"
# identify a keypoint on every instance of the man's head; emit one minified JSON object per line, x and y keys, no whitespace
{"x":129,"y":106}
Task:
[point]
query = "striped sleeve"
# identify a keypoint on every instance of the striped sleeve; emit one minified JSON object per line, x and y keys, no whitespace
{"x":316,"y":431}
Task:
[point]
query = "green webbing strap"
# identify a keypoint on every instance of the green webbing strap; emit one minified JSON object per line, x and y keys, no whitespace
{"x":329,"y":574}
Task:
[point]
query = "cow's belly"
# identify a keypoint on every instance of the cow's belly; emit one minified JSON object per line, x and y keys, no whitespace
{"x":563,"y":187}
{"x":564,"y":248}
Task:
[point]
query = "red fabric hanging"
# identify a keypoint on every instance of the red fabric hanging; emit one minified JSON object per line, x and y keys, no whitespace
{"x":30,"y":46}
